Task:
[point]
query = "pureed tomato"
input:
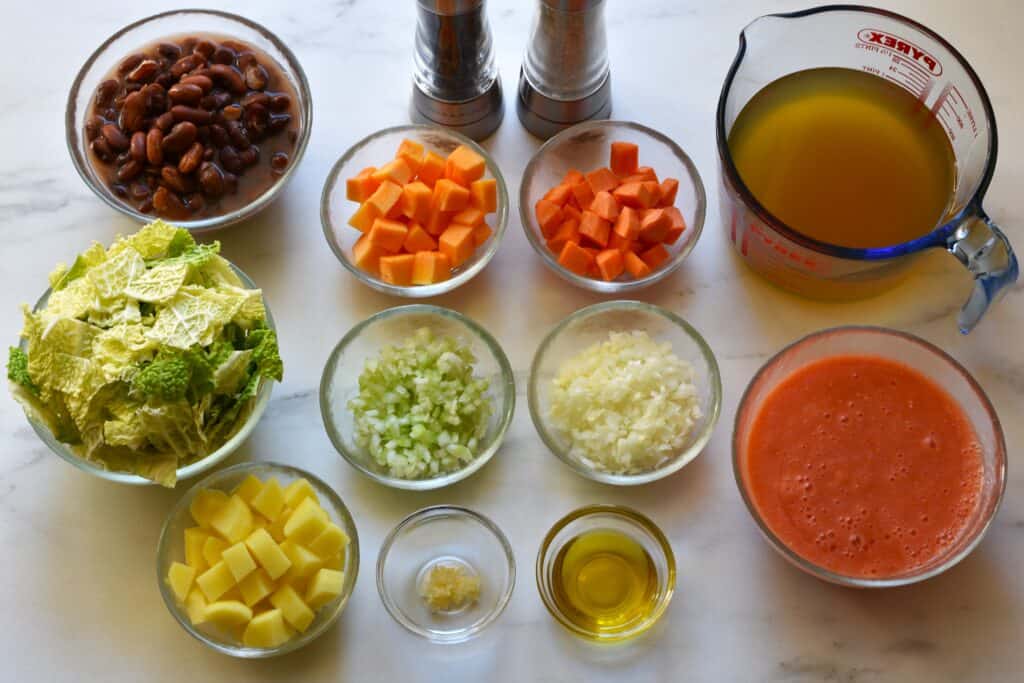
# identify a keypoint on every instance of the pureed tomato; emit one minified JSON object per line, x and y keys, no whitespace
{"x":863,"y":466}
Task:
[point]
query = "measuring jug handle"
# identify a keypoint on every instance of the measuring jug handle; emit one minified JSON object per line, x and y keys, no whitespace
{"x":984,"y":250}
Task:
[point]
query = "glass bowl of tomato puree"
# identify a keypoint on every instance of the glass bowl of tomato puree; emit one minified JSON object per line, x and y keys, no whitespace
{"x":869,"y":457}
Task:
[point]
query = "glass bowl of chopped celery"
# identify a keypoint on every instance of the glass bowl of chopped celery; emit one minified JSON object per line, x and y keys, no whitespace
{"x":625,"y":392}
{"x":249,"y":586}
{"x":417,"y":397}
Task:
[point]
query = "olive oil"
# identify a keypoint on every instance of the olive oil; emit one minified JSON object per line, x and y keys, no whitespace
{"x":604,"y":581}
{"x":845,"y":157}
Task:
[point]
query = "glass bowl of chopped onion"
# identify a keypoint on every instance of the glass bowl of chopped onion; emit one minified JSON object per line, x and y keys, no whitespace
{"x":625,"y":392}
{"x":417,"y":397}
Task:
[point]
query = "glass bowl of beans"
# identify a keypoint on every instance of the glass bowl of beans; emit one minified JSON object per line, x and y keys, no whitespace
{"x":198,"y":117}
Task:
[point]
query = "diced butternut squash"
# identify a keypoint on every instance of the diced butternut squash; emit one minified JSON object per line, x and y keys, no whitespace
{"x":677,"y":224}
{"x":270,"y":500}
{"x":559,"y":194}
{"x":616,"y":241}
{"x":669,"y":190}
{"x":362,"y":220}
{"x":432,"y":169}
{"x":417,"y":240}
{"x":359,"y":188}
{"x":206,"y":503}
{"x":481,"y":234}
{"x":268,"y":553}
{"x":628,"y":224}
{"x":583,"y":194}
{"x":484,"y":193}
{"x":457,"y":244}
{"x":655,"y":226}
{"x":570,"y":211}
{"x":549,"y":216}
{"x":569,"y":231}
{"x":215,"y":581}
{"x":239,"y":561}
{"x":233,"y":521}
{"x":195,"y":537}
{"x":412,"y":152}
{"x":625,"y":158}
{"x":601,"y":180}
{"x":655,"y":256}
{"x":367,"y":255}
{"x":635,"y":194}
{"x":386,"y":199}
{"x":397,"y":171}
{"x":647,"y":173}
{"x":594,"y":229}
{"x":295,"y":611}
{"x":397,"y":269}
{"x":605,"y":206}
{"x":249,"y":487}
{"x":228,"y":613}
{"x":464,"y":166}
{"x":636,"y":266}
{"x":416,"y":201}
{"x":450,"y":196}
{"x":575,"y":259}
{"x":179,"y":578}
{"x":256,"y":586}
{"x":266,"y":630}
{"x":212,"y":549}
{"x":470,"y":216}
{"x":610,"y":264}
{"x":325,"y":587}
{"x":387,"y":234}
{"x":298,"y":490}
{"x":653,"y":189}
{"x":438,"y":221}
{"x":573,"y":177}
{"x":430,"y":267}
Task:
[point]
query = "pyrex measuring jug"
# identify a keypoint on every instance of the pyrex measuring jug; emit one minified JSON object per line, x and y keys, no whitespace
{"x":921,"y":62}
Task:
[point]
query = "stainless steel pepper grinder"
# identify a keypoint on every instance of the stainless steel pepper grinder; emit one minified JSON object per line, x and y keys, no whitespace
{"x":455,"y":79}
{"x":565,"y":77}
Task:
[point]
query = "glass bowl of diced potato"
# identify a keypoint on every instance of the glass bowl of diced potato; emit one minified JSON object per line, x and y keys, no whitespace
{"x":258,"y":560}
{"x":414,"y":211}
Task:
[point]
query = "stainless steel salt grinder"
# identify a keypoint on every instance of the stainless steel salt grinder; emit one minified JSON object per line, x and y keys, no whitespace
{"x":565,"y":77}
{"x":455,"y":80}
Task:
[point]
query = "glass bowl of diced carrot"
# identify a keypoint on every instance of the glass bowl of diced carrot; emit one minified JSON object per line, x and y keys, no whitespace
{"x":612,"y":206}
{"x":414,"y":211}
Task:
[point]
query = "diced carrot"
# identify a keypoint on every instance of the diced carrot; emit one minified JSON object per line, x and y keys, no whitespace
{"x":388,"y":235}
{"x":610,"y":264}
{"x":677,"y":224}
{"x":669,"y":189}
{"x":481,"y":234}
{"x":359,"y":188}
{"x":397,"y":269}
{"x":571,"y":211}
{"x":575,"y":259}
{"x":366,"y":256}
{"x":471,"y":216}
{"x":450,"y":196}
{"x":549,"y":216}
{"x":595,"y":229}
{"x":418,"y":239}
{"x":601,"y":180}
{"x":438,"y":220}
{"x":559,"y":194}
{"x":362,"y":220}
{"x":464,"y":166}
{"x":628,"y":224}
{"x":605,"y":206}
{"x":569,"y":231}
{"x":484,"y":193}
{"x":386,"y":198}
{"x":412,"y":152}
{"x":429,"y":267}
{"x":634,"y":194}
{"x":654,"y":226}
{"x":583,"y":194}
{"x":654,"y":190}
{"x":397,"y":171}
{"x":636,"y":266}
{"x":432,"y":169}
{"x":625,"y":157}
{"x":655,"y":256}
{"x":457,"y":243}
{"x":416,"y":199}
{"x":617,"y":241}
{"x":573,"y":177}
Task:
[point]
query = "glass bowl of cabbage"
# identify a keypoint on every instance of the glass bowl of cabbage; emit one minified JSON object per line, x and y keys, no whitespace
{"x":148,"y":362}
{"x":417,"y":397}
{"x":625,"y":392}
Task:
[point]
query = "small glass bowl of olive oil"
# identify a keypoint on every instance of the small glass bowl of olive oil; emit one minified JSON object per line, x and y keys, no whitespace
{"x":606,"y":573}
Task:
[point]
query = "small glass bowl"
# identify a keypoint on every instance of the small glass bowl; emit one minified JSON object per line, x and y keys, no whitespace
{"x":186,"y":472}
{"x":585,"y":147}
{"x":173,"y":23}
{"x":592,"y":325}
{"x":919,"y":355}
{"x":375,"y":150}
{"x":171,"y":548}
{"x":340,"y":383}
{"x":614,"y":518}
{"x":445,"y":535}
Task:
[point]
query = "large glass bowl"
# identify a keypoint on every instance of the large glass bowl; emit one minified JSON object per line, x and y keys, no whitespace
{"x":174,"y":23}
{"x":187,"y":471}
{"x":592,"y":325}
{"x":919,"y":355}
{"x":585,"y":147}
{"x":445,"y":535}
{"x":171,"y":548}
{"x":340,"y":384}
{"x":375,"y":150}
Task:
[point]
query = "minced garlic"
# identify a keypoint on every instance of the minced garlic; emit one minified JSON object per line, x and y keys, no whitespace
{"x":449,"y":588}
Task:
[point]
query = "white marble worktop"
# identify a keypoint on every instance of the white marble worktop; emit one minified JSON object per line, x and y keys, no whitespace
{"x":78,"y":591}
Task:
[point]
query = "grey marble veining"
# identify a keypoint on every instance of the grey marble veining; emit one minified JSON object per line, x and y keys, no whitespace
{"x":78,"y":589}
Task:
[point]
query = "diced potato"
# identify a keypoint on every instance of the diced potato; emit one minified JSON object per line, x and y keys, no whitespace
{"x":268,"y":553}
{"x":216,"y":581}
{"x":276,"y":528}
{"x":256,"y":586}
{"x":227,"y":613}
{"x":233,"y":521}
{"x":195,"y":537}
{"x":336,"y":561}
{"x":306,"y":523}
{"x":239,"y":561}
{"x":206,"y":503}
{"x":180,"y":577}
{"x":297,"y":490}
{"x":295,"y":611}
{"x":324,"y":587}
{"x":304,"y":561}
{"x":249,"y":488}
{"x":270,"y":500}
{"x":195,"y":606}
{"x":266,"y":630}
{"x":330,"y":541}
{"x":212,"y":550}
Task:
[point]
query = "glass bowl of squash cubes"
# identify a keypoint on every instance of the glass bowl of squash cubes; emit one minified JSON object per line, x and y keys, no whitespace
{"x":258,"y":560}
{"x":414,"y":211}
{"x":612,"y":206}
